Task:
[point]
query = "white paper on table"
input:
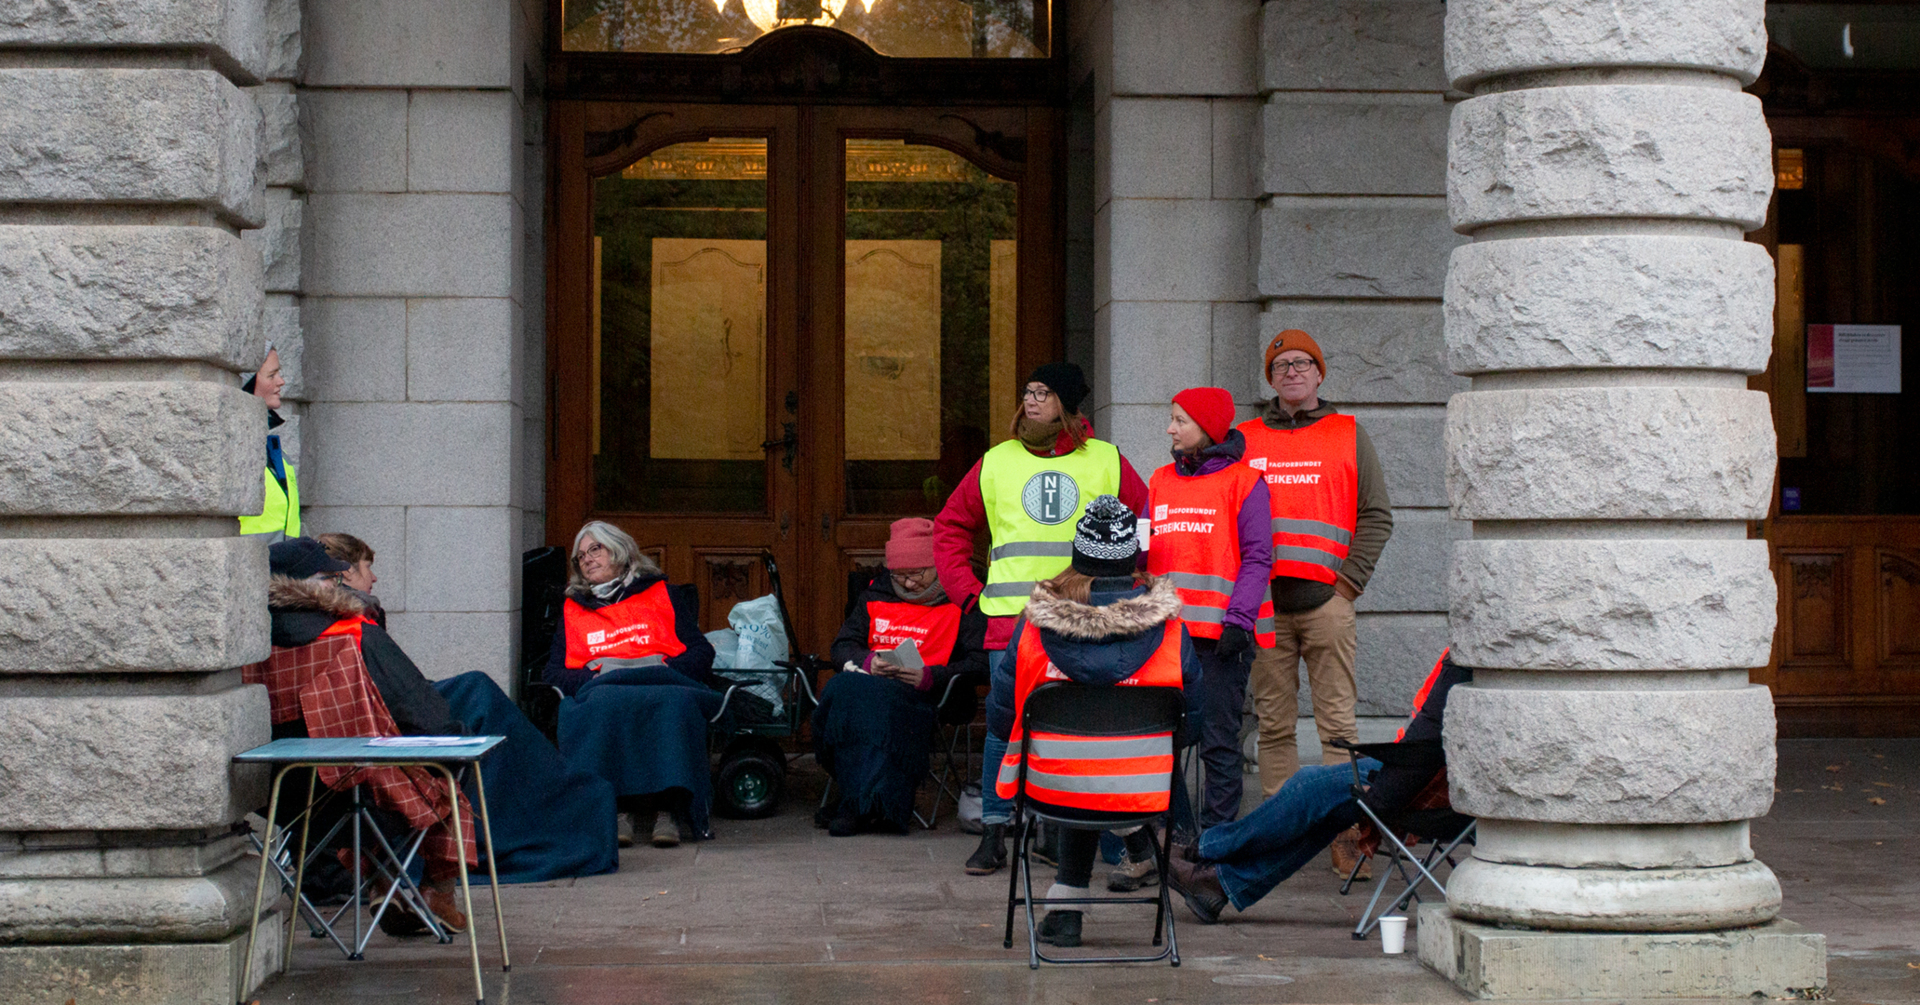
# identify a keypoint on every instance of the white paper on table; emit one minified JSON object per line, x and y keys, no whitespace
{"x":425,"y":741}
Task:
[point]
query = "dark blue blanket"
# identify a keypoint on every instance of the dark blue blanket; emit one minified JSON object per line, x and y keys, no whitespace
{"x":646,"y":733}
{"x":871,"y":734}
{"x":549,"y":821}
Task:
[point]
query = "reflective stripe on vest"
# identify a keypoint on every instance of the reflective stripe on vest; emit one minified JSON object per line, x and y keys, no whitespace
{"x":281,"y":515}
{"x":933,"y":629}
{"x":633,"y":629}
{"x":1195,"y":541}
{"x":1114,"y":774}
{"x":1313,"y":483}
{"x":1032,"y":503}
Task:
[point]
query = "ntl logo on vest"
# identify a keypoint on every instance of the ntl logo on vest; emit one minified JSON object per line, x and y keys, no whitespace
{"x":1050,"y":498}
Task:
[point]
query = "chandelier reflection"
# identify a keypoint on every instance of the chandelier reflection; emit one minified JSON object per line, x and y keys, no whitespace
{"x":993,"y":29}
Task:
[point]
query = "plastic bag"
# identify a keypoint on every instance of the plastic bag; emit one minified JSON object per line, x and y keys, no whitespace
{"x":759,"y":639}
{"x":970,"y":808}
{"x":726,"y":648}
{"x":763,"y":638}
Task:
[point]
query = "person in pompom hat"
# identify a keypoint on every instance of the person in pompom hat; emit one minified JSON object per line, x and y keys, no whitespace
{"x":1102,"y":621}
{"x":1331,"y":519}
{"x":1211,"y":533}
{"x":871,"y":727}
{"x":1027,"y":492}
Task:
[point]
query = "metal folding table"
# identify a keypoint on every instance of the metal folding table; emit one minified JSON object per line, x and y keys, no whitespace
{"x":360,"y":752}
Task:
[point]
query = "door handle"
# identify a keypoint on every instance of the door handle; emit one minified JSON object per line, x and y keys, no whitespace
{"x":791,"y":442}
{"x":826,"y":527}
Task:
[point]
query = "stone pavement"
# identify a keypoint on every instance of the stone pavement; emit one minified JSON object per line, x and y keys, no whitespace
{"x":776,"y":911}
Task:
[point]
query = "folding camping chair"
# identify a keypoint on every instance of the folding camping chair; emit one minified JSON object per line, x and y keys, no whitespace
{"x":1080,"y":712}
{"x":1428,"y":817}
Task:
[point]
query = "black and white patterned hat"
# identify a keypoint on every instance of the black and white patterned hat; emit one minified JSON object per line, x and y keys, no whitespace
{"x":1106,"y":541}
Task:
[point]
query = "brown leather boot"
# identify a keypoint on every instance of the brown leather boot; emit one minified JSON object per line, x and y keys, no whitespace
{"x":443,"y":898}
{"x":1346,"y":854}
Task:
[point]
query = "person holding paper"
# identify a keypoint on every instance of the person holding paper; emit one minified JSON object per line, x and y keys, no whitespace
{"x":1209,"y":532}
{"x":897,"y":651}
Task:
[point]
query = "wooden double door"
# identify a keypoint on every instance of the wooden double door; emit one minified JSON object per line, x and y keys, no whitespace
{"x":777,"y":329}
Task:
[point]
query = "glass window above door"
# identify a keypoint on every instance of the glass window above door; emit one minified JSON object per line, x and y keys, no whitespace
{"x":992,"y":29}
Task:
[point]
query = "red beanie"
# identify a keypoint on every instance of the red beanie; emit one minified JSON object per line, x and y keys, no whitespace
{"x":910,"y":544}
{"x":1211,"y":408}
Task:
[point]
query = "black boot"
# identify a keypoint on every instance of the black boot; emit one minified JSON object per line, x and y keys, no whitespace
{"x":992,"y":853}
{"x":1060,"y":928}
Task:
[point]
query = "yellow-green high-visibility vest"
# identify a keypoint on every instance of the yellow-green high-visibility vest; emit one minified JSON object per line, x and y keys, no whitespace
{"x":281,"y":517}
{"x":1032,"y":504}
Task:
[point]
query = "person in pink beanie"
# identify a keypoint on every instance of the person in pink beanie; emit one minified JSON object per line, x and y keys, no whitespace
{"x":870,"y":730}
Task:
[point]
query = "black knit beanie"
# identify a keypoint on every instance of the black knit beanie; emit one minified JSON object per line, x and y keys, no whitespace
{"x":1065,"y":380}
{"x":1106,"y":541}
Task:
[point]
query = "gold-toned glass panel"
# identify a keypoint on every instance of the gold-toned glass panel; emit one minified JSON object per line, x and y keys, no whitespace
{"x":996,"y":29}
{"x":680,"y":331}
{"x":930,"y":322}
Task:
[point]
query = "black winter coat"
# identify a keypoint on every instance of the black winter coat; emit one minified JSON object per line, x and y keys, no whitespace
{"x":969,"y":652}
{"x":303,"y":608}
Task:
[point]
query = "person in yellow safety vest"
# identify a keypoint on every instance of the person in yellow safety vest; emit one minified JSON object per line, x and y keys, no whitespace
{"x":1099,"y":622}
{"x":1028,"y":491}
{"x":1210,"y":527}
{"x":1331,"y":519}
{"x":280,"y":518}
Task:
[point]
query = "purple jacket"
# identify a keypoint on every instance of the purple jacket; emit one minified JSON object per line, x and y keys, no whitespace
{"x":1255,"y":521}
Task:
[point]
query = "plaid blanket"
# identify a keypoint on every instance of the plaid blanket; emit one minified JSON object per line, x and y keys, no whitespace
{"x":325,"y":684}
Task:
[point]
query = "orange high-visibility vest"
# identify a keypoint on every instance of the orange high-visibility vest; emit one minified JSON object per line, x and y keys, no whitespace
{"x":1420,"y":699}
{"x":1114,"y":774}
{"x":933,"y":629}
{"x":349,"y":626}
{"x":1313,"y":482}
{"x":1195,"y":528}
{"x":635,"y":628}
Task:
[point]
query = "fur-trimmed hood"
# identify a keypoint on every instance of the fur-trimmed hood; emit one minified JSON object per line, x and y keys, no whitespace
{"x":1132,"y":614}
{"x":1108,"y":640}
{"x":285,"y":593}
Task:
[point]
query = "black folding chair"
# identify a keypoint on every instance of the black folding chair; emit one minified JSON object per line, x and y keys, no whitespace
{"x":1092,"y":712}
{"x":1426,"y":817}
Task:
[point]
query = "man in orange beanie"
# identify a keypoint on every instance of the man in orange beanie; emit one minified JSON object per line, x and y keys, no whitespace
{"x":1209,"y":530}
{"x":1331,"y":519}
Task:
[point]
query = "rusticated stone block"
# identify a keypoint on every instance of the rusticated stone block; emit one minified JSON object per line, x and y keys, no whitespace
{"x":1489,"y":37}
{"x":139,"y":136}
{"x":1608,"y":604}
{"x":1668,"y":453}
{"x":232,"y":28}
{"x":1411,"y":445}
{"x":173,"y":447}
{"x":280,"y":149}
{"x":1412,"y":574}
{"x":1610,"y":757}
{"x":1548,"y":303}
{"x":1351,"y":45}
{"x":1666,"y":151}
{"x":177,"y":973}
{"x":183,"y":293}
{"x":140,"y":762}
{"x":131,"y":605}
{"x":129,"y":908}
{"x":1353,"y":148}
{"x":279,"y":240}
{"x":1361,"y":248}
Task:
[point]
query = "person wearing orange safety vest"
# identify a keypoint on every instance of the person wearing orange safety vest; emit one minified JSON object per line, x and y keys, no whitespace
{"x":1240,"y":862}
{"x":1099,"y":622}
{"x":1208,"y":520}
{"x":870,"y":729}
{"x":630,"y":653}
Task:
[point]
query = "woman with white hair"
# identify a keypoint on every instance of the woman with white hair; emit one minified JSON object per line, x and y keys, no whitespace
{"x":630,"y":654}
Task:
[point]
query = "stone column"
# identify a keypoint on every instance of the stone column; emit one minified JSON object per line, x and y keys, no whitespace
{"x":128,"y":303}
{"x":1609,"y":456}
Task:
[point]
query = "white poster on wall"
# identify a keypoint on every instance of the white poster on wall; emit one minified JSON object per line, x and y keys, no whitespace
{"x":1853,"y":359}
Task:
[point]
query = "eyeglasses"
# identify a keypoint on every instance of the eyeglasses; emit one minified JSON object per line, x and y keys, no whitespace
{"x":917,"y":577}
{"x":592,"y":548}
{"x":1036,"y":394}
{"x":1295,"y":365}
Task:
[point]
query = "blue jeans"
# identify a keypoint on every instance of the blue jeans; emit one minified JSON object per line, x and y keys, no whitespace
{"x":1255,"y":853}
{"x":993,"y":809}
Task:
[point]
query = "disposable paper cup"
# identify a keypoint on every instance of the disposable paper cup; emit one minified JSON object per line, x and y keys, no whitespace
{"x":1393,"y":935}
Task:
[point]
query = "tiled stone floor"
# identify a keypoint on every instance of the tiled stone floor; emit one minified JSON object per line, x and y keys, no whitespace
{"x":775,"y":911}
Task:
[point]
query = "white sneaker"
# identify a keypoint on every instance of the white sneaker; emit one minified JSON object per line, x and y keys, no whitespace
{"x":1128,"y":875}
{"x":623,"y":828}
{"x":666,"y":833}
